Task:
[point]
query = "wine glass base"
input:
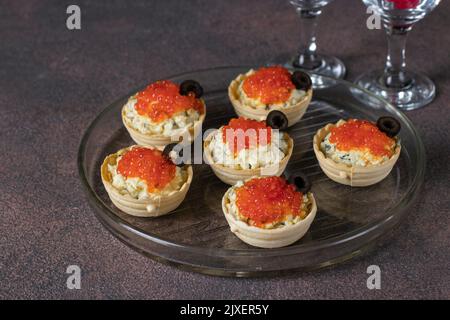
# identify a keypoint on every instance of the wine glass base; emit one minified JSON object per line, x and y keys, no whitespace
{"x":330,"y":67}
{"x":419,"y":93}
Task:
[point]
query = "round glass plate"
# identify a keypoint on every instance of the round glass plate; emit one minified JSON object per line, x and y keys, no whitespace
{"x":196,"y":235}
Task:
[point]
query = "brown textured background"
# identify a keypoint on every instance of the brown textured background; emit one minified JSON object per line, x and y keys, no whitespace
{"x":54,"y":81}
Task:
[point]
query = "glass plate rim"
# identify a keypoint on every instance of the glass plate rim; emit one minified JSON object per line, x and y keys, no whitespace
{"x":326,"y":243}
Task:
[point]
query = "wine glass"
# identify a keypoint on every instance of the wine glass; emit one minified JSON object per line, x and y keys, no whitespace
{"x":307,"y":59}
{"x":403,"y":88}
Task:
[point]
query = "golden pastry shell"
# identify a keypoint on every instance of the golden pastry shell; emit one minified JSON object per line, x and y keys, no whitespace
{"x":155,"y":205}
{"x":355,"y":176}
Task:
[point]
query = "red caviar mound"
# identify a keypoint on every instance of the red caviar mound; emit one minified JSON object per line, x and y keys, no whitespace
{"x":270,"y":85}
{"x":162,"y":99}
{"x":149,"y":165}
{"x":362,"y":135}
{"x":242,"y":133}
{"x":268,"y":200}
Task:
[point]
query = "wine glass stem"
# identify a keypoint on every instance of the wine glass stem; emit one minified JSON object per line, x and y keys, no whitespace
{"x":394,"y":72}
{"x":307,"y":58}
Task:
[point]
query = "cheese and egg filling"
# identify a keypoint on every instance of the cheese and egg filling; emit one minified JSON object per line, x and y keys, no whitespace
{"x":254,"y":156}
{"x":168,"y":127}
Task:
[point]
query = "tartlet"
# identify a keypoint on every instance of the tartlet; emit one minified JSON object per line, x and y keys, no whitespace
{"x":142,"y":181}
{"x":256,"y":93}
{"x":280,"y":216}
{"x":358,"y":153}
{"x":165,"y":112}
{"x":235,"y":154}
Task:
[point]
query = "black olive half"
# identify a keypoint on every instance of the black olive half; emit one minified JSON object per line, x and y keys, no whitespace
{"x":277,"y":120}
{"x":174,"y":152}
{"x":301,"y":80}
{"x":301,"y":182}
{"x":389,"y":125}
{"x":191,"y":86}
